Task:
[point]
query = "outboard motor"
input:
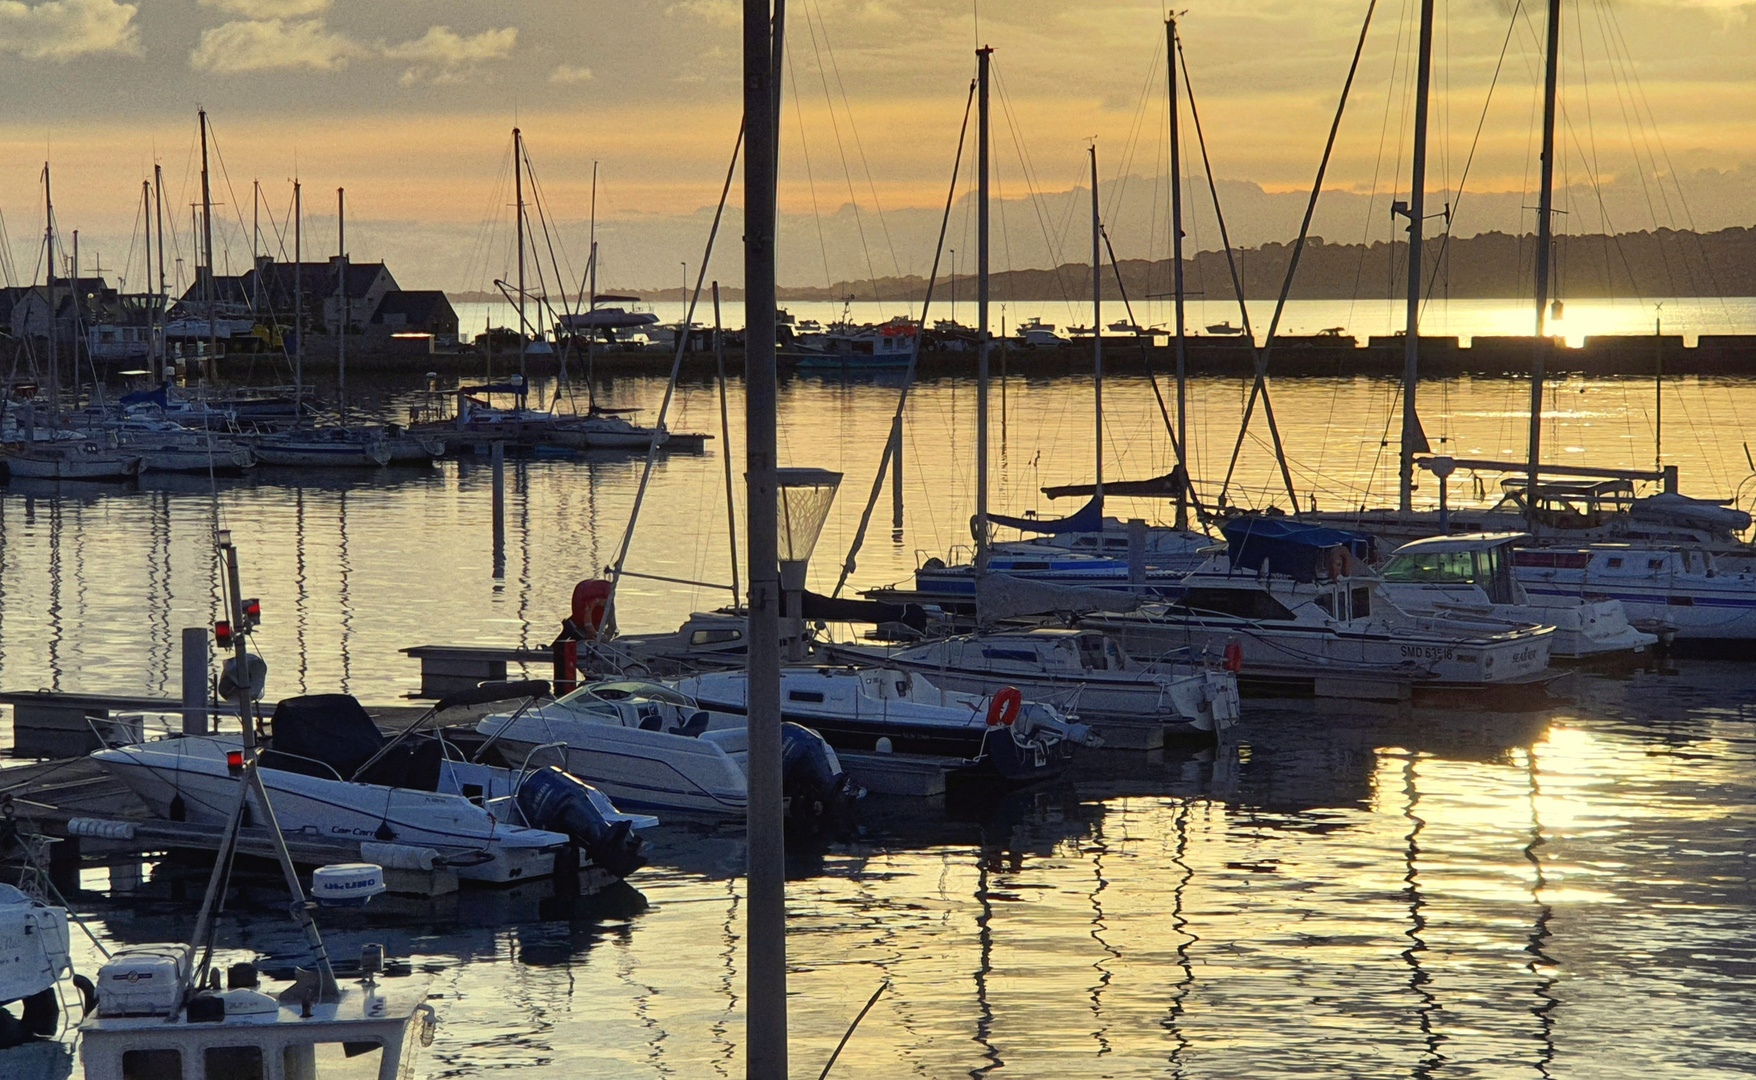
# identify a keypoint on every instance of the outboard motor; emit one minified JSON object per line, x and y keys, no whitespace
{"x":812,"y":776}
{"x":560,"y":802}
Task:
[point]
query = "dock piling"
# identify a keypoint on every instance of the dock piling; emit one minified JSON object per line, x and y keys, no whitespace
{"x":498,"y":457}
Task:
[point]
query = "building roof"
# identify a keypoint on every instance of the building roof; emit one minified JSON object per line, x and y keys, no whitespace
{"x":418,"y":307}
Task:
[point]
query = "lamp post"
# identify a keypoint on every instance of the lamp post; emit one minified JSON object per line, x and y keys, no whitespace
{"x":803,"y":498}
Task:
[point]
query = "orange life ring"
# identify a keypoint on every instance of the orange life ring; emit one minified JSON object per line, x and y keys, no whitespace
{"x":1003,"y":707}
{"x":1234,"y":656}
{"x":590,"y":606}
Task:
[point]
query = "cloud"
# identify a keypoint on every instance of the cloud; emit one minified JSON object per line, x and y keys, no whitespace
{"x":270,"y":9}
{"x":273,"y":44}
{"x":569,"y":73}
{"x":63,"y":29}
{"x":438,"y":55}
{"x":718,"y":12}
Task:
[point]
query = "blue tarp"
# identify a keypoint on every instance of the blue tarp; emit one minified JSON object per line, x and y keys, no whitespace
{"x":1288,"y":546}
{"x":1088,"y":519}
{"x":160,"y":397}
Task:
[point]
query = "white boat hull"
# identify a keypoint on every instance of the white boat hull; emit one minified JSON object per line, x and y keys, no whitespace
{"x":34,"y":952}
{"x":651,"y":770}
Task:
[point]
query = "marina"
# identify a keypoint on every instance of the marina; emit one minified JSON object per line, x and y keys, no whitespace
{"x":1153,"y":684}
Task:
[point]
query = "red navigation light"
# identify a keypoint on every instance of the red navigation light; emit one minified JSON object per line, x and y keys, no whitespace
{"x":252,"y":612}
{"x":222,"y":633}
{"x":234,"y":761}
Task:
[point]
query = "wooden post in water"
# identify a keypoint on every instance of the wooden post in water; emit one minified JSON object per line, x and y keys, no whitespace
{"x":195,"y":698}
{"x":498,"y":457}
{"x":896,"y":479}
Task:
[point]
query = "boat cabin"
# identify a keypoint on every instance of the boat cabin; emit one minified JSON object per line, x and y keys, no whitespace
{"x":1467,"y":563}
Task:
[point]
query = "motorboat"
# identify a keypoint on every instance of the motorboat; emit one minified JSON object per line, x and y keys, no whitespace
{"x":329,"y":770}
{"x":647,"y":745}
{"x":1687,"y":592}
{"x":1471,"y":575}
{"x":34,"y":958}
{"x":69,"y":459}
{"x":996,"y":737}
{"x":1034,"y":333}
{"x":1082,"y":673}
{"x":1295,"y":609}
{"x":157,"y":1018}
{"x":407,"y":447}
{"x":890,"y":344}
{"x":324,"y":448}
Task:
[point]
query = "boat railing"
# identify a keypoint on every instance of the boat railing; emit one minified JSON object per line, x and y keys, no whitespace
{"x":301,"y":757}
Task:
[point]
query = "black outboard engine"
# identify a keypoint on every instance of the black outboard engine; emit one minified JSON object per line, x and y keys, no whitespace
{"x":560,"y":802}
{"x":811,"y":777}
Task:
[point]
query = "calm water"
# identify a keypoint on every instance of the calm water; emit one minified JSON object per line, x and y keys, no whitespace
{"x":1340,"y":893}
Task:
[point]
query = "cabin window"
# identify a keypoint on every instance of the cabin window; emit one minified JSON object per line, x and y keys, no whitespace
{"x":811,"y":696}
{"x":1432,"y":568}
{"x":152,"y":1065}
{"x":1238,"y":603}
{"x":1022,"y":655}
{"x":1326,"y":601}
{"x":1615,"y":562}
{"x":332,"y":1061}
{"x":714,"y":637}
{"x":1655,"y":564}
{"x":1362,"y":600}
{"x":234,"y":1063}
{"x":1091,"y":653}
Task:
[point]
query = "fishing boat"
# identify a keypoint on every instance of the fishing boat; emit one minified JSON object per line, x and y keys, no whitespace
{"x":328,"y":769}
{"x":63,"y":459}
{"x":324,"y":448}
{"x":997,"y":737}
{"x":888,"y":345}
{"x":1034,"y":333}
{"x":1082,"y":673}
{"x":1296,"y":610}
{"x":647,"y":745}
{"x":1225,"y":329}
{"x":1472,"y":575}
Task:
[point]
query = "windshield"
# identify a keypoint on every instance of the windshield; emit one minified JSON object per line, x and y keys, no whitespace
{"x":1432,"y":568}
{"x":624,"y":691}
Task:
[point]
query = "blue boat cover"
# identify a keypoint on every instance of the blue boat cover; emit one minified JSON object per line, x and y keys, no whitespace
{"x":1088,"y":519}
{"x":1288,"y":546}
{"x":160,"y":396}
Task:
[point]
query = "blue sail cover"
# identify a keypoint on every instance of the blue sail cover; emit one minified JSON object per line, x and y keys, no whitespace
{"x":1088,"y":519}
{"x":1288,"y":546}
{"x":160,"y":397}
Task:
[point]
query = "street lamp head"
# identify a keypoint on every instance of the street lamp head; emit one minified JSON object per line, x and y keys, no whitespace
{"x":805,"y":496}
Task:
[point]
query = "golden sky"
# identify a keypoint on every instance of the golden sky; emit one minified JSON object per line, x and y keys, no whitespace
{"x":409,"y":104}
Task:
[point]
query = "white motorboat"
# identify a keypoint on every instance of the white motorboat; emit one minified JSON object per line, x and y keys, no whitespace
{"x":1296,"y":611}
{"x":1471,"y":575}
{"x":77,"y":459}
{"x":323,"y":448}
{"x":1692,"y":593}
{"x":605,"y":431}
{"x":647,"y":745}
{"x":1082,"y":673}
{"x":329,"y":770}
{"x":998,"y":736}
{"x":34,"y":958}
{"x":186,"y":451}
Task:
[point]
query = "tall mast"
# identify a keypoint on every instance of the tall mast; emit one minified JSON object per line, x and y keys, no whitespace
{"x":1177,"y":273}
{"x":765,"y":1055}
{"x":341,"y":330}
{"x":78,"y":331}
{"x":1545,"y":215}
{"x":983,"y":341}
{"x":207,"y":282}
{"x":518,"y":182}
{"x":298,"y":297}
{"x":1413,"y":441}
{"x":49,"y":261}
{"x":591,"y":330}
{"x":158,"y":204}
{"x":152,"y":314}
{"x":1097,"y":332}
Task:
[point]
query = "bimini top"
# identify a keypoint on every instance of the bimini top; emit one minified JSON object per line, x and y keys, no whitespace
{"x":1288,"y":546}
{"x":1445,"y":545}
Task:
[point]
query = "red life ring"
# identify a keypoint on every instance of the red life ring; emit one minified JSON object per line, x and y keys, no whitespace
{"x":1234,"y":657}
{"x":1003,"y":707}
{"x":590,"y":605}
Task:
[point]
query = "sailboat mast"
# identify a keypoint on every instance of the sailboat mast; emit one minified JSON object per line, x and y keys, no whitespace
{"x":518,"y":183}
{"x":152,"y":314}
{"x":1545,"y":228}
{"x":207,"y":282}
{"x":341,"y":330}
{"x":298,"y":296}
{"x":1413,"y":441}
{"x":158,"y":203}
{"x":49,"y":261}
{"x":983,"y":341}
{"x":591,"y":329}
{"x":1177,"y":273}
{"x":1097,"y":331}
{"x":255,"y":245}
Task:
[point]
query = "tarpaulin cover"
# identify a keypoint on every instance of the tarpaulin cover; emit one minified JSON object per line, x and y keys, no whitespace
{"x":1288,"y":546}
{"x":1089,"y":518}
{"x":816,"y":606}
